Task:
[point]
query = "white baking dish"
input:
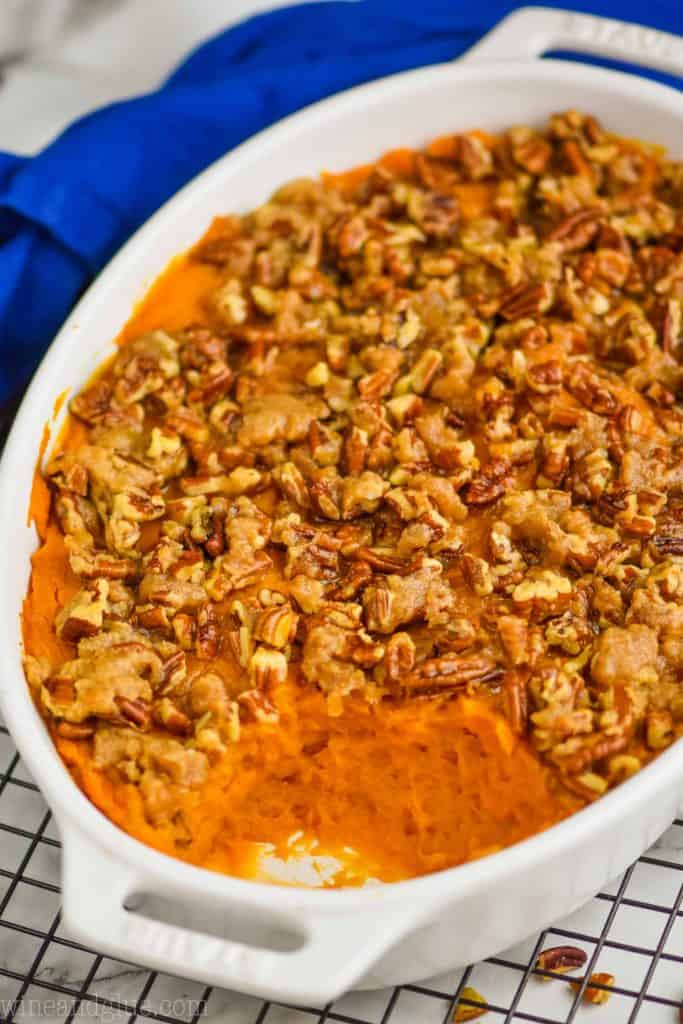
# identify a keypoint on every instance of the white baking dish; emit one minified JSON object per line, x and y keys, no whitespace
{"x":384,"y":934}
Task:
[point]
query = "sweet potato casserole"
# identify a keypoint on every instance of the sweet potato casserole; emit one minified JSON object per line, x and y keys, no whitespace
{"x":368,"y":543}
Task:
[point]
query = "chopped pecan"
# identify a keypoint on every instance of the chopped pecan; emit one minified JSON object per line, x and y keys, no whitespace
{"x":592,"y":392}
{"x":397,"y":600}
{"x":515,"y":690}
{"x":75,"y":731}
{"x":514,"y":637}
{"x":671,"y":329}
{"x":267,"y":668}
{"x":327,"y":658}
{"x":487,"y":486}
{"x":452,"y":671}
{"x":171,"y":717}
{"x":259,"y":706}
{"x":545,"y":377}
{"x":526,"y":300}
{"x":659,"y":729}
{"x":292,"y":484}
{"x":577,"y":230}
{"x":532,"y":152}
{"x":84,"y":614}
{"x":355,"y":451}
{"x":135,"y":712}
{"x":276,"y":626}
{"x":382,"y":562}
{"x":357,"y":577}
{"x":590,"y":751}
{"x":207,"y":632}
{"x":399,"y":656}
{"x":92,"y":404}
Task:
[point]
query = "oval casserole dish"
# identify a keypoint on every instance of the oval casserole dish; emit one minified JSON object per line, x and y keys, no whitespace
{"x":403,"y":931}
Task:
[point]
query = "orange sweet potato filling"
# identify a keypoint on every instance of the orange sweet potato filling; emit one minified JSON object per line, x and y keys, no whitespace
{"x":394,"y":791}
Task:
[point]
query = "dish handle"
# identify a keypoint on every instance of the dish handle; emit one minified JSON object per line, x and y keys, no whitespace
{"x":332,"y":956}
{"x":533,"y":31}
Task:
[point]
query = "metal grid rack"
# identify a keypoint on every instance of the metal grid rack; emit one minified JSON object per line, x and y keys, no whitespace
{"x":633,"y":930}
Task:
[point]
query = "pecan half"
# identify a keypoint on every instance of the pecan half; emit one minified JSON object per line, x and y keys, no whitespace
{"x":577,"y":230}
{"x":135,"y":712}
{"x":452,"y":671}
{"x":561,"y":959}
{"x":526,"y":300}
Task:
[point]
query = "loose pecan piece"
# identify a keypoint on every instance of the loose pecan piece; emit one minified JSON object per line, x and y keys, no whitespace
{"x":470,"y":1006}
{"x":561,"y":959}
{"x":292,"y":484}
{"x":669,"y":539}
{"x":597,"y":990}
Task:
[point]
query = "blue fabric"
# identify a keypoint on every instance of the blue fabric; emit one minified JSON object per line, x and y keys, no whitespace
{"x":64,"y":212}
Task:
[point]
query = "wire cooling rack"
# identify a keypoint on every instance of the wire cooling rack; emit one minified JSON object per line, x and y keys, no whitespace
{"x":633,"y":930}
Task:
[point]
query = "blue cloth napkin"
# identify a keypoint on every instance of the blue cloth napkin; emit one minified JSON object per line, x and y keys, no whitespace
{"x":64,"y":212}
